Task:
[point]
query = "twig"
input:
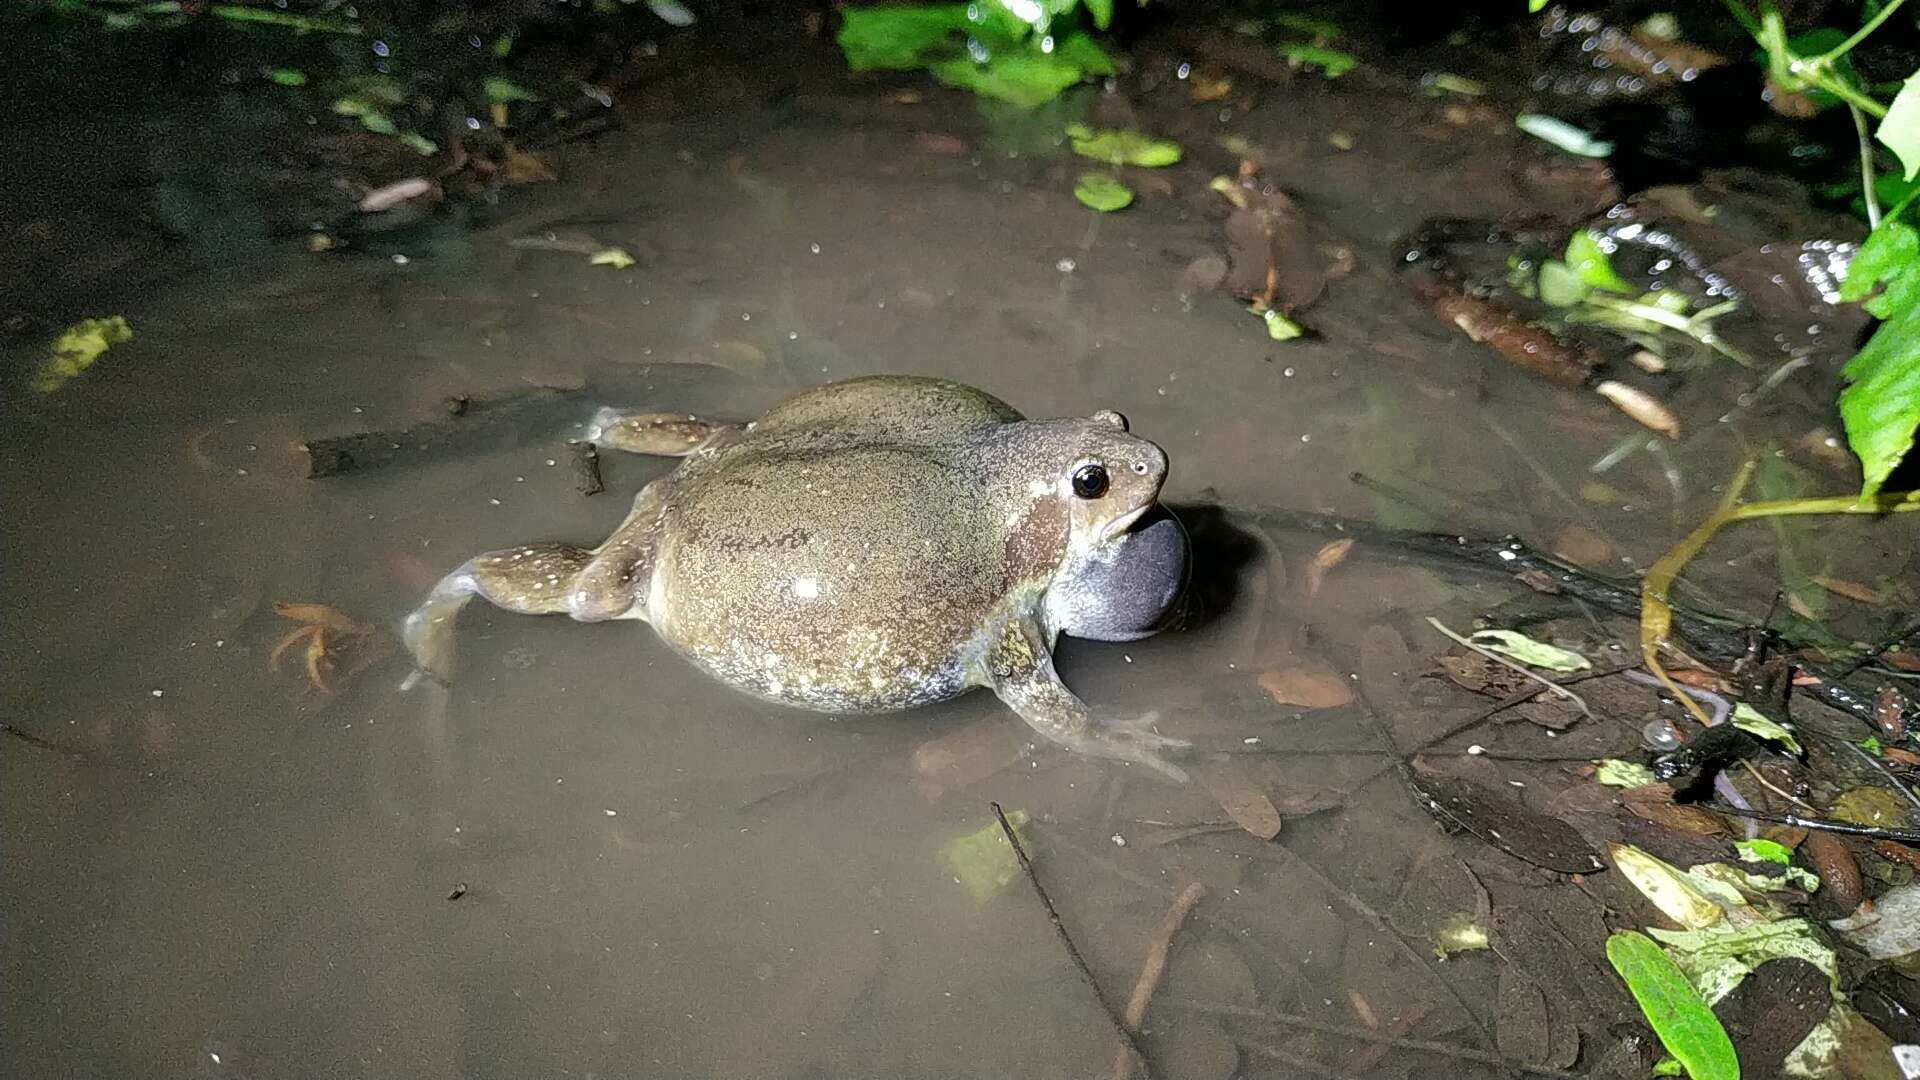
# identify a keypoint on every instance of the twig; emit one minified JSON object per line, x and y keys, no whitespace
{"x":1770,"y":786}
{"x":1872,"y":832}
{"x":1154,"y":969}
{"x":1362,"y":1034}
{"x":1073,"y":952}
{"x":1291,"y":1060}
{"x":1878,"y":767}
{"x":1558,"y":690}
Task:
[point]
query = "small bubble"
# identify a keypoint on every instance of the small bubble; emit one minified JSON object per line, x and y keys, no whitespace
{"x":815,"y":248}
{"x":380,"y":49}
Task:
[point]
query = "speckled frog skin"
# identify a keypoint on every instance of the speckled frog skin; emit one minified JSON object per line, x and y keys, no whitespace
{"x":868,"y":546}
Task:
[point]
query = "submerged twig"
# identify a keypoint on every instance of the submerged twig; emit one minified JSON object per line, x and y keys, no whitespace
{"x":1845,"y":828}
{"x":1154,"y":969}
{"x":1362,"y":1034}
{"x":1127,"y":1037}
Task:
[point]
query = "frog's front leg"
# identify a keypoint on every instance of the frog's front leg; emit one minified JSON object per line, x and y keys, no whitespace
{"x":1019,"y":667}
{"x":660,"y":434}
{"x":589,"y":584}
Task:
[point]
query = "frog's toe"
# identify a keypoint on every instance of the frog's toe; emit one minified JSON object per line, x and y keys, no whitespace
{"x":1136,"y":741}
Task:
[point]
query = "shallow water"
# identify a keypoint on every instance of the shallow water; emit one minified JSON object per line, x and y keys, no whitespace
{"x":216,"y":871}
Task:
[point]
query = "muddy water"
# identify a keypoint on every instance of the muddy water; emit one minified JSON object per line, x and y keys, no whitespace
{"x":213,"y":870}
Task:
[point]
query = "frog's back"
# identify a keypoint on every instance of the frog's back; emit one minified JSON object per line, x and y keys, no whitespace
{"x":784,"y":573}
{"x":905,"y":409}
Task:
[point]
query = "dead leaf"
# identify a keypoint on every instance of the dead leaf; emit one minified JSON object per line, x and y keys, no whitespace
{"x":1306,"y":687}
{"x":1852,"y":590}
{"x":525,"y":167}
{"x":1202,"y":89}
{"x":1904,"y":757}
{"x":939,"y":142}
{"x":1579,"y":544}
{"x":1328,"y":557}
{"x":1277,"y":260}
{"x":1894,"y":851}
{"x":1482,"y":676}
{"x":1654,"y":802}
{"x":1247,"y":805}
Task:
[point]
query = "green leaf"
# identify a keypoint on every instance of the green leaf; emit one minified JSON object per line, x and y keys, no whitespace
{"x":1614,"y":772}
{"x":1749,"y":720}
{"x":501,"y":46}
{"x":1881,"y":403}
{"x":1764,"y":851}
{"x":1899,"y":130}
{"x":1332,"y":62}
{"x":982,"y":861}
{"x":76,"y":349}
{"x":1083,"y":52}
{"x":418,"y":143}
{"x":1530,"y":652}
{"x":1871,"y":744}
{"x":376,"y":121}
{"x":286,"y":77}
{"x":1118,"y":147}
{"x":1102,"y":12}
{"x":501,"y":89}
{"x":1674,"y":1009}
{"x":1591,"y":263}
{"x":1279,"y":327}
{"x":899,"y":38}
{"x":1028,"y":80}
{"x":1102,"y":193}
{"x":1535,"y":7}
{"x":1560,"y":286}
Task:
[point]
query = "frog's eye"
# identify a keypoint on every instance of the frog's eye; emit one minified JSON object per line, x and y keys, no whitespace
{"x":1090,"y":481}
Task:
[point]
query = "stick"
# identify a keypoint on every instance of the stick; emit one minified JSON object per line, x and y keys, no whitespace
{"x":1361,"y":1034}
{"x":1154,"y":969}
{"x":1875,"y":832}
{"x":1073,"y":952}
{"x":586,"y":469}
{"x":470,"y":424}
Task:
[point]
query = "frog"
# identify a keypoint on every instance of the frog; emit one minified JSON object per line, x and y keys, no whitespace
{"x":869,"y":546}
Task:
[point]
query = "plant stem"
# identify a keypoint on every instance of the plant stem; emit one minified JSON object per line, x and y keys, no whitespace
{"x":1859,"y":35}
{"x":1866,"y":166}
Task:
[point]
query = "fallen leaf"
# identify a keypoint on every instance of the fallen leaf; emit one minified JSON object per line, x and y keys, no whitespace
{"x":982,"y":861}
{"x":1119,"y":147}
{"x":939,"y":142}
{"x":1518,"y":646}
{"x":76,"y":349}
{"x":1749,"y":719}
{"x":1654,"y":802}
{"x":1308,"y":688}
{"x":613,"y":256}
{"x":1673,"y":1008}
{"x":1202,"y":89}
{"x":1102,"y":193}
{"x":523,"y":167}
{"x":1624,"y":774}
{"x":1247,"y":805}
{"x":1579,"y":544}
{"x":1332,"y":554}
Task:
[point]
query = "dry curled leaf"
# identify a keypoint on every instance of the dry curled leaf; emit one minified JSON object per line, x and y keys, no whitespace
{"x":1306,"y":687}
{"x":1324,"y":560}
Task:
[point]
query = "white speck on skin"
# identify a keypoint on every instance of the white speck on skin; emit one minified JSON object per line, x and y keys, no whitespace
{"x":806,"y":588}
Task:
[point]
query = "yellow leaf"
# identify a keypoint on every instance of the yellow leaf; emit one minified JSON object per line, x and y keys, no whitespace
{"x":613,"y":256}
{"x":75,"y":350}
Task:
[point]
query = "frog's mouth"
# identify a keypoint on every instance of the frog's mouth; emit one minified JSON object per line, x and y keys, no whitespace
{"x":1124,"y":522}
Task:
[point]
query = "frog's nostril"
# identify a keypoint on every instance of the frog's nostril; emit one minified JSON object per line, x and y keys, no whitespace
{"x":1140,"y":467}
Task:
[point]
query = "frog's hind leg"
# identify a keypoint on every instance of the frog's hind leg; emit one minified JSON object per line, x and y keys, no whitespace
{"x":1019,"y":667}
{"x":660,"y":434}
{"x":589,"y":584}
{"x":533,"y":579}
